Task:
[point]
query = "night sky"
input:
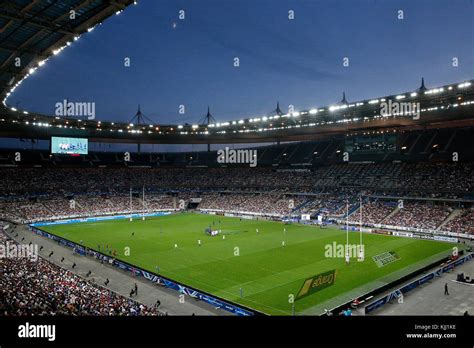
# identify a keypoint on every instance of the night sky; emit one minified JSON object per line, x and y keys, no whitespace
{"x":298,"y":62}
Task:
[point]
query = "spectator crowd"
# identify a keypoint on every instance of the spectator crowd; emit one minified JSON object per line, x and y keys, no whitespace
{"x":36,"y":194}
{"x":39,"y":287}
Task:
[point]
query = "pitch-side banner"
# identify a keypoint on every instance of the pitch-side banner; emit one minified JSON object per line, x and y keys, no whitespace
{"x":317,"y":283}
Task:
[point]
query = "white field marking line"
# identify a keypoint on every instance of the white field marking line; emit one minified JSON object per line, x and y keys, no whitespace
{"x":292,"y":272}
{"x":232,"y":294}
{"x":280,"y":275}
{"x":215,"y":258}
{"x":261,"y":268}
{"x":195,"y":260}
{"x":225,"y":259}
{"x":210,"y":259}
{"x":256,"y":280}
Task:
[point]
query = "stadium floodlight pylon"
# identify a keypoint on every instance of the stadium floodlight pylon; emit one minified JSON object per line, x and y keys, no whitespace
{"x":422,"y":87}
{"x":278,"y":110}
{"x":206,"y":121}
{"x":139,"y":119}
{"x":344,"y":100}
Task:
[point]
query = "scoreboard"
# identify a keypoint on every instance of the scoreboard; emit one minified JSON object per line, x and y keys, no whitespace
{"x":69,"y":146}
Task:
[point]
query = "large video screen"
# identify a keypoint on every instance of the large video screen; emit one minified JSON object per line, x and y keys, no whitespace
{"x":69,"y":146}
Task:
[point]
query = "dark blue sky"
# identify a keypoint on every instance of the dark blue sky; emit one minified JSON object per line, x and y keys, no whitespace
{"x":296,"y":61}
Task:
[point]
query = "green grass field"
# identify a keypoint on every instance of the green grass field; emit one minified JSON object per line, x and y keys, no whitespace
{"x":266,"y":271}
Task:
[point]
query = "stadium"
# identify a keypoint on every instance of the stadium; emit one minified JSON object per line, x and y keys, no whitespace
{"x":353,"y":208}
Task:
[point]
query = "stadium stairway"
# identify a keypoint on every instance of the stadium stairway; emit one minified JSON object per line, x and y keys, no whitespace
{"x":353,"y":208}
{"x":47,"y":208}
{"x":301,"y":206}
{"x":430,"y":142}
{"x":395,"y":211}
{"x":78,"y":205}
{"x":292,"y":151}
{"x":410,"y":150}
{"x":454,"y":214}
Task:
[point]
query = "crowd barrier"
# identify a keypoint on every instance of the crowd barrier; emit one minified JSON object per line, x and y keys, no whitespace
{"x":97,"y":218}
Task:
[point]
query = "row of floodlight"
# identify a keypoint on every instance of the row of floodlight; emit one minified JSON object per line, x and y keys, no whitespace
{"x":334,"y":108}
{"x":196,"y":131}
{"x":54,"y":52}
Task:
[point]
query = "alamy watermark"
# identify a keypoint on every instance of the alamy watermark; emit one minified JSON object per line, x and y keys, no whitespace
{"x":347,"y":251}
{"x":394,"y":108}
{"x":242,"y":156}
{"x":37,"y":331}
{"x":75,"y":109}
{"x":19,"y":251}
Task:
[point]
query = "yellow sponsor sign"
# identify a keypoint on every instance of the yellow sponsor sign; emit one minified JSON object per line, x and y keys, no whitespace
{"x":317,"y":283}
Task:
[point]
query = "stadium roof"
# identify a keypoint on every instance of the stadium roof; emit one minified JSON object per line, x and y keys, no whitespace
{"x":33,"y":30}
{"x":441,"y":107}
